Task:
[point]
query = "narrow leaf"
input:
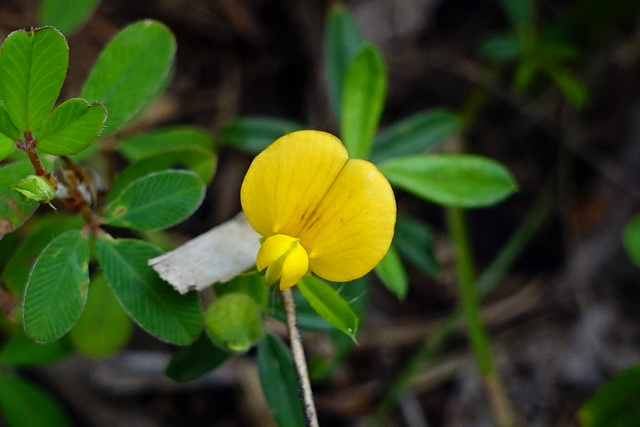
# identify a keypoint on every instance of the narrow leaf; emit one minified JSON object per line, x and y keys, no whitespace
{"x":156,"y":201}
{"x":158,"y":141}
{"x":415,"y":242}
{"x":279,"y":383}
{"x":196,"y":159}
{"x":26,"y":405}
{"x":418,"y":133}
{"x":501,"y":49}
{"x":195,"y":360}
{"x":462,"y":180}
{"x":252,"y":134}
{"x":328,"y":303}
{"x":342,"y":42}
{"x":33,"y":66}
{"x":363,"y":98}
{"x":103,"y":328}
{"x":308,"y":319}
{"x":71,"y":127}
{"x":131,"y":71}
{"x":391,"y":273}
{"x":152,"y":302}
{"x":14,"y":210}
{"x":66,"y":15}
{"x":57,"y":289}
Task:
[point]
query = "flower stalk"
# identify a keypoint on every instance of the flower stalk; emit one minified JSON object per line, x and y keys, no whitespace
{"x":297,"y":350}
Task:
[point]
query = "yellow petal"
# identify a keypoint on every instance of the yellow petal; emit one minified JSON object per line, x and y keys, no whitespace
{"x":351,"y":229}
{"x":284,"y":258}
{"x":286,"y":182}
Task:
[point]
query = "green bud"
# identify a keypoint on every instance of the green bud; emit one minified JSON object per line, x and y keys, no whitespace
{"x":234,"y":322}
{"x":35,"y":188}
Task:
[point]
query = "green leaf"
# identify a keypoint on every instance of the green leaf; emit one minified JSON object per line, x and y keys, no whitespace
{"x":329,"y":304}
{"x":195,"y":360}
{"x":615,"y":404}
{"x":14,"y":210}
{"x":631,"y":239}
{"x":418,"y":133}
{"x":501,"y":49}
{"x":196,"y":159}
{"x":308,"y":319}
{"x":391,"y":273}
{"x":19,"y":350}
{"x":156,"y":201}
{"x":363,"y":97}
{"x":460,"y":180}
{"x":158,"y":141}
{"x":252,"y":134}
{"x":33,"y":66}
{"x":415,"y":242}
{"x":66,"y":15}
{"x":103,"y":328}
{"x":57,"y":289}
{"x":341,"y":44}
{"x":8,"y":134}
{"x":25,"y":405}
{"x":71,"y":127}
{"x":575,"y":91}
{"x":131,"y":71}
{"x":16,"y":273}
{"x":279,"y":382}
{"x":149,"y":300}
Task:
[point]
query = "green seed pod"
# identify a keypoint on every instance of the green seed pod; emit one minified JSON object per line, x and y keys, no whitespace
{"x":35,"y":188}
{"x":234,"y":322}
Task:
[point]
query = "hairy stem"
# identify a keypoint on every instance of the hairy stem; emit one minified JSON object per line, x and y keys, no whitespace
{"x":297,"y":350}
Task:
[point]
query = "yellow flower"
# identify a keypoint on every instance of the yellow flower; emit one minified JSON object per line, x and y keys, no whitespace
{"x":317,"y":209}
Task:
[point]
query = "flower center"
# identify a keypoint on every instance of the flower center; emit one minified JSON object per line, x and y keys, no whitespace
{"x":284,"y":258}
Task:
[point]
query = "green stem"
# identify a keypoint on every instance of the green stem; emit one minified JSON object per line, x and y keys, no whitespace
{"x":470,"y":305}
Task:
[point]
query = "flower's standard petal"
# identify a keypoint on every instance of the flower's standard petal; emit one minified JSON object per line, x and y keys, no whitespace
{"x":284,"y":258}
{"x":287,"y":181}
{"x":351,"y":229}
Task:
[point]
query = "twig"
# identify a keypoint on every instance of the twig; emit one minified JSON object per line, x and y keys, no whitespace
{"x":297,"y":350}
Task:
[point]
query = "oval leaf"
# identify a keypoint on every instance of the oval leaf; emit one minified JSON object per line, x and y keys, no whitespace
{"x":66,"y":15}
{"x":158,"y":141}
{"x":103,"y":328}
{"x":363,"y":97}
{"x":16,"y":273}
{"x":149,"y":300}
{"x":156,"y":201}
{"x":196,"y":159}
{"x":33,"y":66}
{"x":195,"y":360}
{"x":130,"y":71}
{"x":342,"y":42}
{"x":391,"y":273}
{"x":328,"y":303}
{"x":416,"y":134}
{"x":458,"y":180}
{"x":57,"y":289}
{"x":8,"y":134}
{"x":14,"y":209}
{"x":71,"y":127}
{"x":253,"y":134}
{"x":24,"y":404}
{"x":279,"y":382}
{"x":615,"y":403}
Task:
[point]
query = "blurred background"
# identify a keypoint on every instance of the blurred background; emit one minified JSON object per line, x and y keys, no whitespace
{"x":565,"y":316}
